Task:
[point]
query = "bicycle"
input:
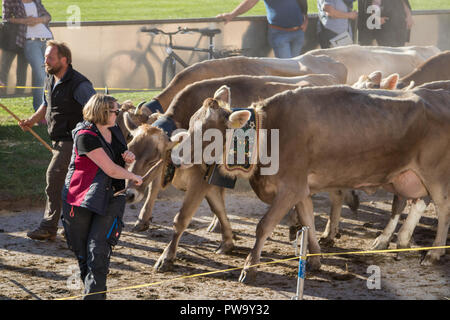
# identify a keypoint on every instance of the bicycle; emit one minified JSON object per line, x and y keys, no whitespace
{"x":169,"y":64}
{"x":131,"y":68}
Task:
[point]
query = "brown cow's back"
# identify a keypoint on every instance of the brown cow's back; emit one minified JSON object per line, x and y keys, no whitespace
{"x":434,"y":69}
{"x":246,"y":90}
{"x":251,"y":66}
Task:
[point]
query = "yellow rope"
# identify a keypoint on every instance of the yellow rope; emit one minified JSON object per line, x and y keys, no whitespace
{"x":253,"y":266}
{"x":114,"y":89}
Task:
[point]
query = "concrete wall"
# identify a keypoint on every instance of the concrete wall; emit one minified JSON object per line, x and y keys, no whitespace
{"x":118,"y":55}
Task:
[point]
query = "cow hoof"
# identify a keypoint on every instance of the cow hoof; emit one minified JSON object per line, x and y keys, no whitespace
{"x":163,"y":265}
{"x":400,"y":256}
{"x":140,"y":226}
{"x":293,"y":232}
{"x":326,"y":241}
{"x":379,"y":244}
{"x":225,"y":248}
{"x":248,"y":276}
{"x":430,"y":259}
{"x":313,"y":264}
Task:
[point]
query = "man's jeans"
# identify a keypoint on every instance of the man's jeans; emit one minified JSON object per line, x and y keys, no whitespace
{"x":286,"y":44}
{"x":34,"y":52}
{"x":56,"y":175}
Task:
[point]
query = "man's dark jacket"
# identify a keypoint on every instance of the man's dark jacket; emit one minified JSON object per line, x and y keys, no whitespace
{"x":63,"y":111}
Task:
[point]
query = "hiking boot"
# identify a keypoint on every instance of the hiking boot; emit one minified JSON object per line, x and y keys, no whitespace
{"x":41,"y":234}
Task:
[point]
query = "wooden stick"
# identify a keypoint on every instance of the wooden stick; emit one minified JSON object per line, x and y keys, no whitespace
{"x":29,"y":129}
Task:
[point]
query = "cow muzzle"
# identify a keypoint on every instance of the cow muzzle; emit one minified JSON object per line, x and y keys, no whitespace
{"x":133,"y":196}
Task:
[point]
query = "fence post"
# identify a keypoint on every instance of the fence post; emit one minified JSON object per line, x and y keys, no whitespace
{"x":301,"y":261}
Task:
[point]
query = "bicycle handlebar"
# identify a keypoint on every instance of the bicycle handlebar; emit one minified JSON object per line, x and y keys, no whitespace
{"x":204,"y":31}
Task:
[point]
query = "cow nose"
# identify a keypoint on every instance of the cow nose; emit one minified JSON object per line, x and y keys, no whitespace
{"x":130,"y":195}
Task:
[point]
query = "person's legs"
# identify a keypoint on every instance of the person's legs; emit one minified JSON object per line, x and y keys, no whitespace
{"x":34,"y":52}
{"x":77,"y":224}
{"x":21,"y":71}
{"x":56,"y":174}
{"x":5,"y":65}
{"x":105,"y":233}
{"x":279,"y":41}
{"x":297,"y":40}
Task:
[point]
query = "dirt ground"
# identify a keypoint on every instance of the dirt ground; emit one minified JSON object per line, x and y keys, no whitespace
{"x":45,"y":270}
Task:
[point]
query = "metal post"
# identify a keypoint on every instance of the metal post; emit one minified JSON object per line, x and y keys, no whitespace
{"x":301,"y":261}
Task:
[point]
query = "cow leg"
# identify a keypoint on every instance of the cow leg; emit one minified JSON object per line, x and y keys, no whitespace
{"x":441,"y":200}
{"x":306,"y":215}
{"x":216,"y":201}
{"x":332,"y":228}
{"x":193,"y":197}
{"x":145,"y":215}
{"x":404,"y":236}
{"x":351,"y":199}
{"x":405,"y":233}
{"x":293,"y":223}
{"x":383,"y":240}
{"x":279,"y":208}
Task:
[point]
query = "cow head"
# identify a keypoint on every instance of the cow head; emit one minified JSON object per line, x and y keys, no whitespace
{"x":208,"y":125}
{"x":128,"y":107}
{"x":375,"y":81}
{"x":150,"y":145}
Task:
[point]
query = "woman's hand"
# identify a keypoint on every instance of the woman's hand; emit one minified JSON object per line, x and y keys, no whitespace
{"x":137,"y":180}
{"x":353,"y":15}
{"x":409,"y":21}
{"x":227,"y":17}
{"x":128,"y":157}
{"x":304,"y":26}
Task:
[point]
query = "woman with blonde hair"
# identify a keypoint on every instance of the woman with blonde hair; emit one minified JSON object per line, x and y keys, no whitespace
{"x":92,"y":210}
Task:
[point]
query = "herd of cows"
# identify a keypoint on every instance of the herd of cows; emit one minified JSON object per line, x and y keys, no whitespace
{"x":342,"y":127}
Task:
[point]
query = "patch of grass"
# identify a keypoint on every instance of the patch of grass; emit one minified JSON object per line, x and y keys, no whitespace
{"x":23,"y":158}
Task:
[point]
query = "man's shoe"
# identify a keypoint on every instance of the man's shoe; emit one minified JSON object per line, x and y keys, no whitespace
{"x":41,"y":234}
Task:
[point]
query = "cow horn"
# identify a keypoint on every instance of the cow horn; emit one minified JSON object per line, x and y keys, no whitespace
{"x":138,"y":108}
{"x":129,"y":123}
{"x":410,"y":86}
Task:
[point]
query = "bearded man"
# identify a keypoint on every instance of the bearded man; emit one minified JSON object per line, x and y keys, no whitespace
{"x":66,"y":91}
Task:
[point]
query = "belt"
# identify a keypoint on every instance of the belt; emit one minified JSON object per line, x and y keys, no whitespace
{"x":40,"y":39}
{"x":284,"y":29}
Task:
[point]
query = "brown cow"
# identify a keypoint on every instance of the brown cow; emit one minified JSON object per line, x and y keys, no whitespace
{"x":341,"y":137}
{"x":434,"y":69}
{"x":216,"y":68}
{"x":148,"y":140}
{"x":418,"y":206}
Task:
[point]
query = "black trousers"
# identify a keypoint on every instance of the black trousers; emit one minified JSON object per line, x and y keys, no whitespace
{"x":91,"y":237}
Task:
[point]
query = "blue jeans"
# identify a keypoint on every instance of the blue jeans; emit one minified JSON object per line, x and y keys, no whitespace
{"x":286,"y":44}
{"x":34,"y":52}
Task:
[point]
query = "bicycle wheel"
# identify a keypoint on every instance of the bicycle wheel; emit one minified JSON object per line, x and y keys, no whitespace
{"x":128,"y":69}
{"x":168,"y":71}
